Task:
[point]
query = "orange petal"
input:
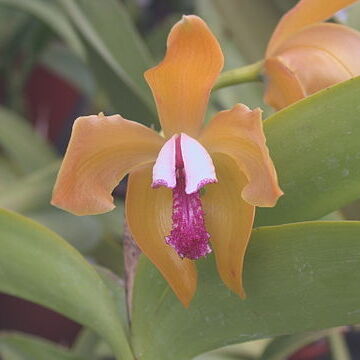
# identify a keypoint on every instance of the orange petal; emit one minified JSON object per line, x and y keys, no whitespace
{"x":239,"y":134}
{"x":339,"y":42}
{"x":305,"y":13}
{"x":181,"y":83}
{"x":148,"y":213}
{"x":101,"y":151}
{"x":332,"y":50}
{"x":283,"y":87}
{"x":229,"y":221}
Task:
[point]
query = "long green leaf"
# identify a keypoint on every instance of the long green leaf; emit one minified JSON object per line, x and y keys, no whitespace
{"x":17,"y":346}
{"x":284,"y":346}
{"x":47,"y":12}
{"x":298,"y":277}
{"x":38,"y":265}
{"x":30,"y":192}
{"x":315,"y":147}
{"x":117,"y":54}
{"x":85,"y":344}
{"x":84,"y":233}
{"x":116,"y":286}
{"x":242,"y":18}
{"x":22,"y":144}
{"x":63,"y":62}
{"x":8,"y":175}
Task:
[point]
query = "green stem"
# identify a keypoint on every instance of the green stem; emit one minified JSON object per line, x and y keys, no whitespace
{"x":339,"y":349}
{"x":248,"y":73}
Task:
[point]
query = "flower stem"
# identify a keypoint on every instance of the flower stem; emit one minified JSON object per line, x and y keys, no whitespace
{"x":248,"y":73}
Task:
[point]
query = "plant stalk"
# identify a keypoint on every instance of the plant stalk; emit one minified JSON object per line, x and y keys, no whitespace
{"x":248,"y":73}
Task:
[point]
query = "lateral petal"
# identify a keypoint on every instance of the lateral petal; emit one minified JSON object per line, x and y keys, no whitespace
{"x":181,"y":83}
{"x":238,"y":133}
{"x":229,"y":220}
{"x":303,"y":14}
{"x":198,"y":166}
{"x":283,"y":86}
{"x":165,"y":165}
{"x":148,"y":213}
{"x":101,"y":151}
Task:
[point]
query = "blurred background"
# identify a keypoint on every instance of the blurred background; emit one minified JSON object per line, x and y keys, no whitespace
{"x":60,"y":59}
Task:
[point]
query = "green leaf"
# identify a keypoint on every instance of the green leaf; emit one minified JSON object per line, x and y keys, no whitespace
{"x":63,"y":62}
{"x":352,"y":16}
{"x":85,"y":344}
{"x":117,"y":54}
{"x":283,"y":347}
{"x":49,"y":13}
{"x":116,"y":286}
{"x":285,"y":5}
{"x":82,"y":232}
{"x":17,"y":346}
{"x":30,"y":192}
{"x":315,"y":147}
{"x":8,"y":28}
{"x":22,"y":144}
{"x":38,"y":265}
{"x":242,"y":18}
{"x":8,"y":175}
{"x":250,"y":350}
{"x":227,"y":353}
{"x":298,"y":277}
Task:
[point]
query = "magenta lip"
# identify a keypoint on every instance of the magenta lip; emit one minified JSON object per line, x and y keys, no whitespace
{"x":188,"y":235}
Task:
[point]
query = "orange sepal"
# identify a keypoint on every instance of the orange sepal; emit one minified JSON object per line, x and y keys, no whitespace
{"x":238,"y":133}
{"x":101,"y":151}
{"x":148,"y":213}
{"x":181,"y":83}
{"x":229,"y":221}
{"x":303,"y":14}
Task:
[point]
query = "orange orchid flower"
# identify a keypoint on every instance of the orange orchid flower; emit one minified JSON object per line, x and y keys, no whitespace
{"x":171,"y":220}
{"x":305,"y":54}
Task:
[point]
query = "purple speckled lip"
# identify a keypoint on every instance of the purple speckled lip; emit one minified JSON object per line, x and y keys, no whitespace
{"x":188,"y":235}
{"x":185,"y":166}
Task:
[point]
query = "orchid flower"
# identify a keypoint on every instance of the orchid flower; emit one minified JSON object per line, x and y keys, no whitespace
{"x":190,"y":191}
{"x":305,"y":55}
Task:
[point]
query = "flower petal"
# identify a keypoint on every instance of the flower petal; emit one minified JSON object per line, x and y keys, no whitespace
{"x":198,"y":166}
{"x":339,"y":42}
{"x":101,"y":151}
{"x":148,"y":212}
{"x":283,"y":87}
{"x":229,"y":221}
{"x":164,"y":170}
{"x":303,"y":14}
{"x":239,"y":134}
{"x":181,"y":83}
{"x":331,"y":49}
